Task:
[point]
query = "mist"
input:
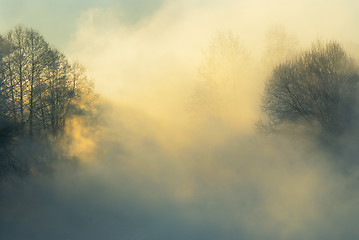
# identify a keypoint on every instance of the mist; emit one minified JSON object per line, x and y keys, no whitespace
{"x":177,"y":153}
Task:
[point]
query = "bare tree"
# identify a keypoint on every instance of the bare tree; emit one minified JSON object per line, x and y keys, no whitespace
{"x":318,"y":87}
{"x":19,"y":63}
{"x":39,"y":91}
{"x":279,"y":47}
{"x":223,"y":74}
{"x":83,"y":98}
{"x":37,"y":48}
{"x":41,"y":88}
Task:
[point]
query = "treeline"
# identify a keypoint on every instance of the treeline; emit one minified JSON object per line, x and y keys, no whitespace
{"x":40,"y":90}
{"x":311,"y":93}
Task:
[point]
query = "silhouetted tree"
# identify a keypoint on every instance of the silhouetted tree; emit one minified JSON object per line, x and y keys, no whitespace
{"x":39,"y":91}
{"x":38,"y":49}
{"x":39,"y":85}
{"x":318,"y":87}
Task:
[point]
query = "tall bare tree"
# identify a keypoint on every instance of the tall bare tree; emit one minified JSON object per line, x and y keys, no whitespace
{"x":223,"y":75}
{"x":37,"y":51}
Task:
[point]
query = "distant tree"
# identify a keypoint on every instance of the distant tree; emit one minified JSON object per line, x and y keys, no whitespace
{"x":319,"y":87}
{"x":222,"y":76}
{"x":279,"y":47}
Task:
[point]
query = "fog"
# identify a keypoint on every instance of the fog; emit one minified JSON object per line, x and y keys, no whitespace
{"x":178,"y":156}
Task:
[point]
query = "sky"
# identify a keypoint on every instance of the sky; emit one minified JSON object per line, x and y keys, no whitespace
{"x":177,"y":156}
{"x":57,"y":20}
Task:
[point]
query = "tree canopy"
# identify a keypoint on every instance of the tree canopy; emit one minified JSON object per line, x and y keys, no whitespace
{"x":318,"y":87}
